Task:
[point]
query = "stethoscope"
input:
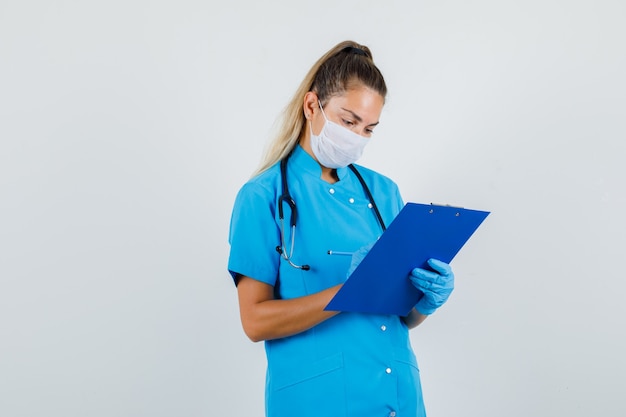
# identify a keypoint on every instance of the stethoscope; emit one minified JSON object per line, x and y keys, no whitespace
{"x":286,"y":198}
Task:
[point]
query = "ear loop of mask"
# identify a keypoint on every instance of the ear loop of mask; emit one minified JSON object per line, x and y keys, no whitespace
{"x":311,"y":121}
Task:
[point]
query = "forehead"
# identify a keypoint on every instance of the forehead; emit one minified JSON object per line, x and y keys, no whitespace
{"x":363,"y":101}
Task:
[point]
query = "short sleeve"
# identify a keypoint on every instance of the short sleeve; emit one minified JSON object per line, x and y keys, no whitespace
{"x":399,"y":199}
{"x":254,"y":235}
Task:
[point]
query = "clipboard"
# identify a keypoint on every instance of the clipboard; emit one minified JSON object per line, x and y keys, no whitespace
{"x":419,"y":232}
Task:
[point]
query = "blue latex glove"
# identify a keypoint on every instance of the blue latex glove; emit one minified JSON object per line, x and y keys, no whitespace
{"x":357,"y":257}
{"x":436,"y":286}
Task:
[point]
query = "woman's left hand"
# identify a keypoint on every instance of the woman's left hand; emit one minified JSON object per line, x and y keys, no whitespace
{"x":437,"y":285}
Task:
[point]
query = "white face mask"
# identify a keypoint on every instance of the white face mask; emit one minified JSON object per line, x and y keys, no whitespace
{"x":336,"y":146}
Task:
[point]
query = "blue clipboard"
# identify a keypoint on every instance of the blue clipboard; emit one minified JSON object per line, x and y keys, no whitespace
{"x":380,"y":283}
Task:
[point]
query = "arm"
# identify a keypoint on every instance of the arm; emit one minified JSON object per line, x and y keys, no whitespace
{"x":263,"y":317}
{"x":414,"y":318}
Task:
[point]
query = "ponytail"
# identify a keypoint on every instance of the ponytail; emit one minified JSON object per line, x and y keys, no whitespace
{"x":346,"y":66}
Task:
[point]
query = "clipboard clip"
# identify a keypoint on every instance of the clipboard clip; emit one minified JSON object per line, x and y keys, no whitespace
{"x":445,"y":205}
{"x":457,"y":214}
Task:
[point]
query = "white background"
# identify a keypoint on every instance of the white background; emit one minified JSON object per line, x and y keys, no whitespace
{"x":127,"y":127}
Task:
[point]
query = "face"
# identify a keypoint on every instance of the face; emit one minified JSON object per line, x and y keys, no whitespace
{"x":358,"y":109}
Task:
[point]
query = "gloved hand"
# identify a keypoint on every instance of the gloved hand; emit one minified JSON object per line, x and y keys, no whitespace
{"x":436,"y":286}
{"x":358,"y":256}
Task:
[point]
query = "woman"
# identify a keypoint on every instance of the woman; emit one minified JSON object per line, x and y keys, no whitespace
{"x":325,"y":363}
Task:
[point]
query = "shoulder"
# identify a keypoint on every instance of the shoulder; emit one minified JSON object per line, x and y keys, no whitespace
{"x":264,"y":185}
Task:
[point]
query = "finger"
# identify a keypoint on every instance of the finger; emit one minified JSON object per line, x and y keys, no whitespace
{"x":364,"y":250}
{"x":421,"y":284}
{"x":436,"y":280}
{"x":439,"y":266}
{"x":425,"y":274}
{"x":431,"y":285}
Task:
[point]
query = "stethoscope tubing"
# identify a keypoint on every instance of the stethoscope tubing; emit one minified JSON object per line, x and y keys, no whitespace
{"x":285,"y":197}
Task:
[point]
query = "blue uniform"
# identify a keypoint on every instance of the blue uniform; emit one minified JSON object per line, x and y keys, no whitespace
{"x":351,"y":365}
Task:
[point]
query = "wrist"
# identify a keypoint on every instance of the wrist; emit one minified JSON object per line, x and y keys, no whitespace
{"x":425,"y":308}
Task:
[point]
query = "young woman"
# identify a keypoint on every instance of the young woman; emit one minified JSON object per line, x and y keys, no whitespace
{"x":308,"y":199}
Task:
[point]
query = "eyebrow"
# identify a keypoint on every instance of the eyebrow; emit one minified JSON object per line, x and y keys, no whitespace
{"x":357,"y":117}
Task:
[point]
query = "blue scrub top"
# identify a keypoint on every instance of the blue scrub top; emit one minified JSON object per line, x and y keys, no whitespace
{"x":353,"y":364}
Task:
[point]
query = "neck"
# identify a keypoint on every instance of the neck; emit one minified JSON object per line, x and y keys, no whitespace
{"x":328,"y":174}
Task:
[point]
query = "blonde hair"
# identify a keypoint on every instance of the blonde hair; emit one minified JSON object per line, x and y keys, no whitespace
{"x":344,"y":66}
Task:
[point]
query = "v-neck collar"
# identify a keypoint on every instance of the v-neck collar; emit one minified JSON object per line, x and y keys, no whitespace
{"x":305,"y":162}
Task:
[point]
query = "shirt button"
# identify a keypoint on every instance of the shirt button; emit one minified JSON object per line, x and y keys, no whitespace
{"x":351,"y":200}
{"x":392,"y":414}
{"x":332,"y":191}
{"x":388,"y":370}
{"x":370,"y":205}
{"x":383,"y":327}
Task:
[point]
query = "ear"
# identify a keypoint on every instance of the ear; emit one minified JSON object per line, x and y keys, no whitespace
{"x":310,"y":104}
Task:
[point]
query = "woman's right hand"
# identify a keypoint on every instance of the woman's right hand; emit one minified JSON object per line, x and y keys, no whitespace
{"x":357,"y":257}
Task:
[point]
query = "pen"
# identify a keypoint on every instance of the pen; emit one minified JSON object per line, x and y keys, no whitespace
{"x":334,"y":252}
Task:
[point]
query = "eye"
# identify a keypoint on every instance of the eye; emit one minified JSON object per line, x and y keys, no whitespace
{"x":369,"y":132}
{"x":347,"y":122}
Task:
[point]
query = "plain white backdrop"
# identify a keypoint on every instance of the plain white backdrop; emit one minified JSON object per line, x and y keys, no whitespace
{"x":127,"y":127}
